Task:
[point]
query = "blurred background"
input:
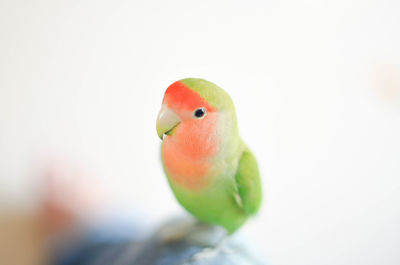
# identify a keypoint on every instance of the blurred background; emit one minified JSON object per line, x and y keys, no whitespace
{"x":316,"y":85}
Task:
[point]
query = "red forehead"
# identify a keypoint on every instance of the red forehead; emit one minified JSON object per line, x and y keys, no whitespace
{"x":179,"y":96}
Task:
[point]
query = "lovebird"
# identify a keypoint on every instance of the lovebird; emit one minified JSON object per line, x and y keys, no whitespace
{"x":210,"y":170}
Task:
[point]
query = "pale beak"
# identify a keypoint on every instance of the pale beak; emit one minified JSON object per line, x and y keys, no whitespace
{"x":167,"y":120}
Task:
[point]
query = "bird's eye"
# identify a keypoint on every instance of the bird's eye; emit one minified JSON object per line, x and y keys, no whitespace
{"x":199,"y":113}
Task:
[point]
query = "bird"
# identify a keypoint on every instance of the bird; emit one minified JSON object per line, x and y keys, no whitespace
{"x":211,"y":171}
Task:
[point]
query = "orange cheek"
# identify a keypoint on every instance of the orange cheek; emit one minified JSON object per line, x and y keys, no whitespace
{"x":197,"y":139}
{"x":187,"y":153}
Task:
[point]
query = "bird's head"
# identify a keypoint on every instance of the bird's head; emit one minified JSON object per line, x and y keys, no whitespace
{"x":193,"y":107}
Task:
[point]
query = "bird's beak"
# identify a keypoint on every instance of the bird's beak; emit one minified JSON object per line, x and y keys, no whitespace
{"x":167,"y":121}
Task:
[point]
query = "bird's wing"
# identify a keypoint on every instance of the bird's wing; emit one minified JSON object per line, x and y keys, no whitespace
{"x":248,"y":183}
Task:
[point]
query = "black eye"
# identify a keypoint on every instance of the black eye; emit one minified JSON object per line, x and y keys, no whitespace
{"x":199,"y":113}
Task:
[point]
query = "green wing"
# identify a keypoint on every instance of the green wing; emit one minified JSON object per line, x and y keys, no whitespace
{"x":248,"y":183}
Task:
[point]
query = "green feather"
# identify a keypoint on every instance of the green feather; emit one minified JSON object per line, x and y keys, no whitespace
{"x":249,"y":183}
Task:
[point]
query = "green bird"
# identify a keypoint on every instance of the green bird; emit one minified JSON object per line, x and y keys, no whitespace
{"x":211,"y":171}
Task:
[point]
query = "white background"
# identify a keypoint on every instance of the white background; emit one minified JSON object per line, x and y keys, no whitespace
{"x":316,"y":85}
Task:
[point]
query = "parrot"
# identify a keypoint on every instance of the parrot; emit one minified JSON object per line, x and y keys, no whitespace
{"x":211,"y":171}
